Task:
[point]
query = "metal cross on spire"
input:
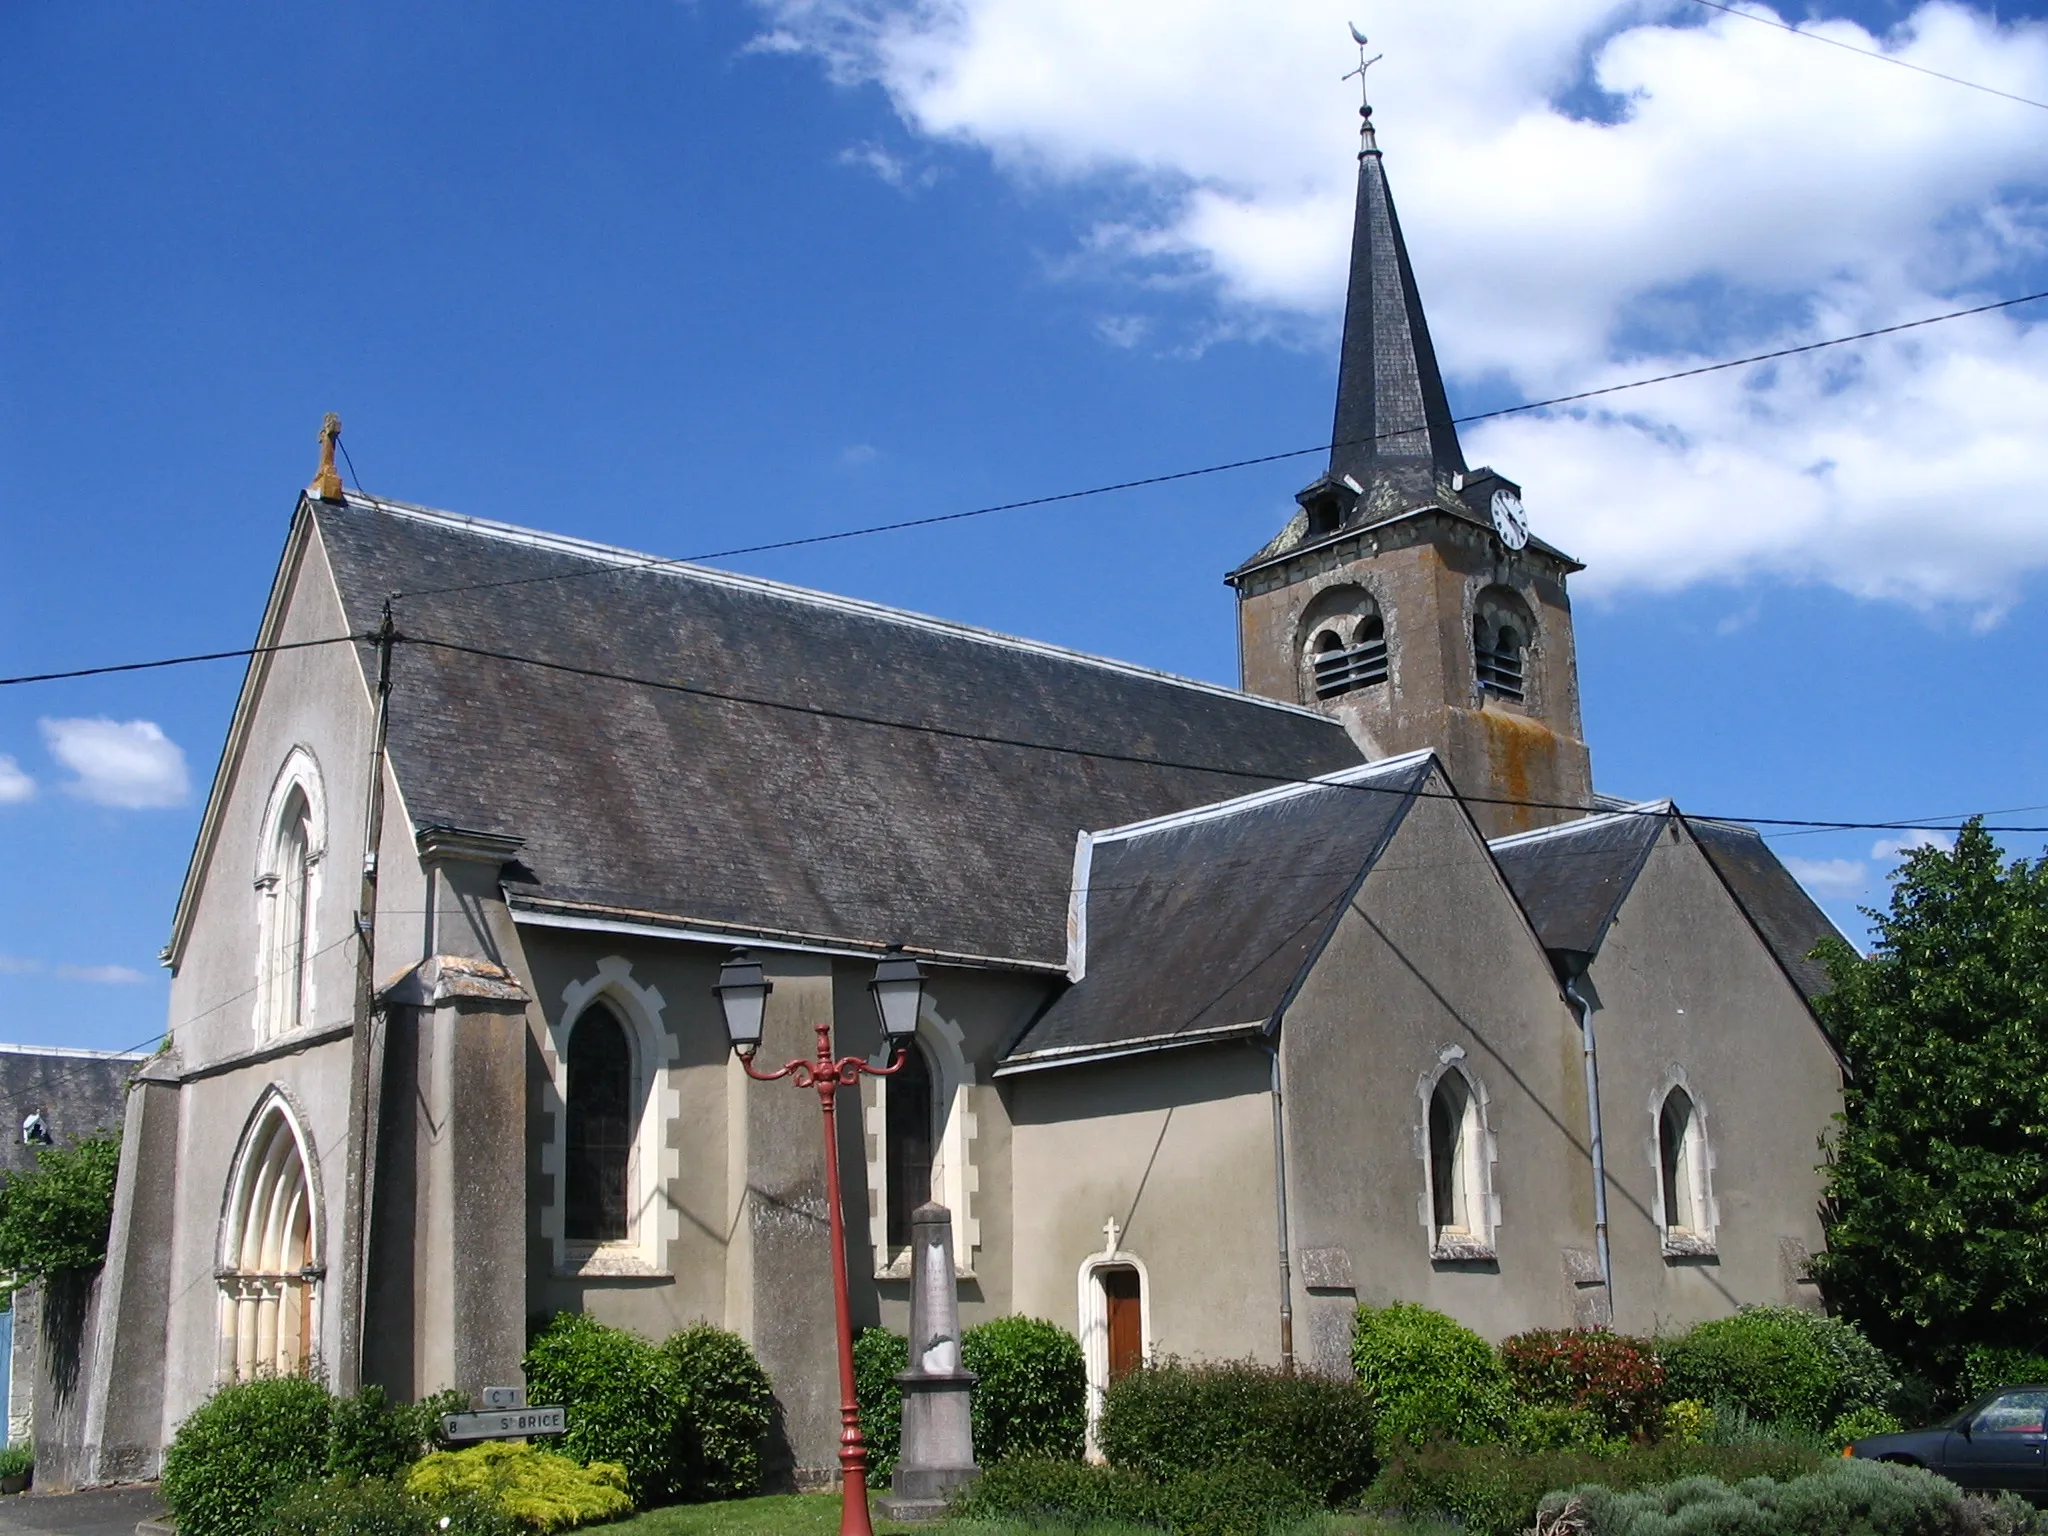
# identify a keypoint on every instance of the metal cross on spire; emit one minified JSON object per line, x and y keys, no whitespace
{"x":1364,"y":100}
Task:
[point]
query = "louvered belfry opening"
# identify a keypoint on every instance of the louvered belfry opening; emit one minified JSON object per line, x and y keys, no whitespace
{"x":600,"y":1113}
{"x":1341,"y":668}
{"x":1497,"y":655}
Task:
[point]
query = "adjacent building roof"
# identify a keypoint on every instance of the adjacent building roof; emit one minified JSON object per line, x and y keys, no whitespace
{"x":788,"y":762}
{"x":78,"y":1094}
{"x":1200,"y":925}
{"x":1572,"y":880}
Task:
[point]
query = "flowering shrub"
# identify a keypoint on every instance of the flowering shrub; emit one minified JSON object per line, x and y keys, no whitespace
{"x":1617,"y":1379}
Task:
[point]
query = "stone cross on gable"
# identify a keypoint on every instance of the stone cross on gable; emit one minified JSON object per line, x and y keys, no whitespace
{"x":1111,"y":1231}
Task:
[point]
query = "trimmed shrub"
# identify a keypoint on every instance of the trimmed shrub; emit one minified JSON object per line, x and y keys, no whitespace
{"x":1780,"y":1365}
{"x":1174,"y":1418}
{"x":1427,"y":1377}
{"x":1861,"y":1424}
{"x":878,"y":1355}
{"x":368,"y":1435}
{"x":731,"y":1411}
{"x":539,"y":1489}
{"x":1617,"y":1379}
{"x":1687,"y":1421}
{"x":625,"y":1398}
{"x":1494,"y":1491}
{"x":1987,"y":1367}
{"x":1533,"y":1427}
{"x":1867,"y":1498}
{"x":1240,"y":1499}
{"x":241,"y":1452}
{"x":1032,"y":1398}
{"x":375,"y":1506}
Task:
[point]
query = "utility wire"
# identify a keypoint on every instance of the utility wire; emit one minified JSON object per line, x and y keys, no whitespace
{"x":1103,"y":754}
{"x":656,"y":562}
{"x":1870,"y":53}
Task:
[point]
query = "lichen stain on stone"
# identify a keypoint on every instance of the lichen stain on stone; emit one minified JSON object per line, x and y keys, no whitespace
{"x":1512,"y":740}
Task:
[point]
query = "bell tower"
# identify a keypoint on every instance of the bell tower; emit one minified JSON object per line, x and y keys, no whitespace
{"x":1406,"y":596}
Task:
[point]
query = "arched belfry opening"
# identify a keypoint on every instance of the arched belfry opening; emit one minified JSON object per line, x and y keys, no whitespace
{"x":270,"y":1271}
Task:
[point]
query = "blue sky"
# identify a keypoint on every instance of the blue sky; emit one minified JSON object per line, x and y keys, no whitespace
{"x":685,"y":276}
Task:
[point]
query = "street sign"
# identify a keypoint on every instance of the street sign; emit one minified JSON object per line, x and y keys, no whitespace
{"x":505,"y":1424}
{"x":504,"y":1397}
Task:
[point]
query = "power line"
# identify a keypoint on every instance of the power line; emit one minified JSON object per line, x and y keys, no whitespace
{"x":1870,"y":53}
{"x":1102,"y":754}
{"x":598,"y":568}
{"x":178,"y":661}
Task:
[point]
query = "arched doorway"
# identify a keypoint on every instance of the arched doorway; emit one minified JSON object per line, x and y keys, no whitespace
{"x":270,"y":1274}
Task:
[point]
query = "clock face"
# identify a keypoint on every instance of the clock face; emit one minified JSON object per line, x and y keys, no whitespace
{"x":1509,"y":520}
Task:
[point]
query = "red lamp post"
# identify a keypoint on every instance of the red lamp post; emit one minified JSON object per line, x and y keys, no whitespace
{"x":898,"y":987}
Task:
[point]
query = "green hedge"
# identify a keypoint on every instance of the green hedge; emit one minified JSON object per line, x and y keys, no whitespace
{"x":625,"y":1399}
{"x":1845,"y":1498}
{"x":1241,"y":1499}
{"x":1780,"y":1365}
{"x":238,"y":1455}
{"x":731,"y":1412}
{"x":1492,"y":1490}
{"x":1987,"y":1367}
{"x":1032,"y":1395}
{"x":1175,"y":1418}
{"x":878,"y":1355}
{"x":1428,"y":1378}
{"x":375,"y":1506}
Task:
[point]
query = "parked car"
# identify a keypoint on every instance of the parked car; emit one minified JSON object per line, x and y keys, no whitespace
{"x":1997,"y":1444}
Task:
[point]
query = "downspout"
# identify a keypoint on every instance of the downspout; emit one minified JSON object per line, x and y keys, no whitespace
{"x":1272,"y":1049}
{"x":1584,"y":1009}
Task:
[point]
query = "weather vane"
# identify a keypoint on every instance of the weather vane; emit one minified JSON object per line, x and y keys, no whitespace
{"x":1358,"y":37}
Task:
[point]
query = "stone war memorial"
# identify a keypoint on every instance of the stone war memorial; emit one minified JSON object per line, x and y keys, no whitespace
{"x":1243,"y":1005}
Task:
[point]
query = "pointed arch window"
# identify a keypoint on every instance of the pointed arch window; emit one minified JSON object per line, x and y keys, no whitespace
{"x":601,"y":1126}
{"x":288,"y":897}
{"x":1686,"y":1205}
{"x":270,"y":1271}
{"x":1458,"y":1201}
{"x":911,"y":1134}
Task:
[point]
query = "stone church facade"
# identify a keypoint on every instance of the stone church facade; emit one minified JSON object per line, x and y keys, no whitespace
{"x":1245,"y":1006}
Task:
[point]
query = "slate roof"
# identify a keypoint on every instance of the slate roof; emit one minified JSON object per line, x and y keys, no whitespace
{"x":1572,"y":880}
{"x":722,"y":813}
{"x":76,"y":1092}
{"x":1192,"y":926}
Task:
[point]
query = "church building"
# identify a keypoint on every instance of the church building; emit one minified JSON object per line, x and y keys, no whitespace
{"x":1245,"y":1005}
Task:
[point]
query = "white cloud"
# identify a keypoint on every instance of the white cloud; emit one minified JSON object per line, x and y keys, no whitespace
{"x":14,"y":965}
{"x":1751,"y":190}
{"x":101,"y":975}
{"x":1826,"y":878}
{"x":1899,"y":847}
{"x":858,"y":455}
{"x":130,"y":764}
{"x":892,"y":169}
{"x":15,"y":786}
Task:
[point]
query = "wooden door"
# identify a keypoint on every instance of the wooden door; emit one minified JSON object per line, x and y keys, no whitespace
{"x":1126,"y":1322}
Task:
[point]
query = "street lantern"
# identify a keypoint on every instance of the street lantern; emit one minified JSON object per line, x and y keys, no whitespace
{"x":899,"y":989}
{"x":742,"y":993}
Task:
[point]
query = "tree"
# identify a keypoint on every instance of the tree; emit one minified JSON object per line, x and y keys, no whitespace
{"x":54,"y":1217}
{"x":1937,"y":1181}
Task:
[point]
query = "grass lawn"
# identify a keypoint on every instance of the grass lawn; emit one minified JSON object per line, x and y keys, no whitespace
{"x":810,"y":1514}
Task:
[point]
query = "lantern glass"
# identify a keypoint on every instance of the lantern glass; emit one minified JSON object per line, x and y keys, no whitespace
{"x":898,"y":988}
{"x":742,"y":993}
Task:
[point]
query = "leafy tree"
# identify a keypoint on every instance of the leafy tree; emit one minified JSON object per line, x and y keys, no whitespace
{"x":1937,"y":1181}
{"x":54,"y":1217}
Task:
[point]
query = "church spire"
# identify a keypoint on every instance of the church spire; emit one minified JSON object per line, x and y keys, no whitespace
{"x":1393,"y":438}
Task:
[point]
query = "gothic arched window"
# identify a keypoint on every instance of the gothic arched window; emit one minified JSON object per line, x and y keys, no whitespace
{"x":1682,"y":1170}
{"x":911,"y":1136}
{"x":269,"y":1271}
{"x":1501,"y":631}
{"x":288,"y":888}
{"x":1459,"y":1200}
{"x":601,"y":1126}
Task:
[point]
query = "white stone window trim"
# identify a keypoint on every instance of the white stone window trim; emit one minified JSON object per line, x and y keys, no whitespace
{"x":955,"y":1178}
{"x":1092,"y":1312}
{"x":243,"y":1291}
{"x":1683,"y":1242}
{"x":1481,"y":1152}
{"x":299,"y":773}
{"x":654,"y":1224}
